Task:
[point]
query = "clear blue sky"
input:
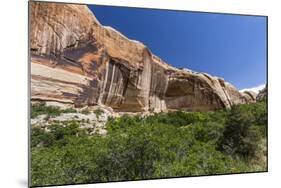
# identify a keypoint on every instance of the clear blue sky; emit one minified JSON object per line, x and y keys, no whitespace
{"x":229,"y":46}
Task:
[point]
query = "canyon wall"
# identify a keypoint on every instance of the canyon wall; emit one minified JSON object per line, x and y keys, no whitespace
{"x":75,"y":60}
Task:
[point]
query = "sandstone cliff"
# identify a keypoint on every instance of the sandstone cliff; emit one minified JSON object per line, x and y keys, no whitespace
{"x":250,"y":96}
{"x":76,"y":60}
{"x":262,"y":95}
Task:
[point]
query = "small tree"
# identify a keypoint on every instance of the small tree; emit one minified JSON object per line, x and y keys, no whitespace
{"x":240,"y":136}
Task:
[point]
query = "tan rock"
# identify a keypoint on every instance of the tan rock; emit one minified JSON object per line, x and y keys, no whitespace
{"x":249,"y":96}
{"x":76,"y":60}
{"x":262,"y":95}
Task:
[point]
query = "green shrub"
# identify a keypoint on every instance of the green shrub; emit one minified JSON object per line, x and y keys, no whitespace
{"x":200,"y":159}
{"x":41,"y":137}
{"x":178,"y":118}
{"x":50,"y":111}
{"x":86,"y":111}
{"x":162,"y":145}
{"x":69,"y":110}
{"x":241,"y":134}
{"x":98,"y":112}
{"x":56,"y":134}
{"x":66,"y":164}
{"x":207,"y":132}
{"x":40,"y":108}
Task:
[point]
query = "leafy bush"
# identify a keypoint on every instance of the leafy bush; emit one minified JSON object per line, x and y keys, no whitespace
{"x":200,"y":159}
{"x":41,"y":137}
{"x":98,"y":112}
{"x":56,"y":134}
{"x":207,"y":132}
{"x":40,"y":108}
{"x":86,"y":111}
{"x":69,"y":110}
{"x":178,"y":118}
{"x":162,"y":145}
{"x":245,"y":127}
{"x":50,"y":111}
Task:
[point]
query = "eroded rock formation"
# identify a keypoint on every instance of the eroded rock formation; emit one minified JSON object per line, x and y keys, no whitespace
{"x":262,"y":95}
{"x":249,"y":96}
{"x":76,"y":60}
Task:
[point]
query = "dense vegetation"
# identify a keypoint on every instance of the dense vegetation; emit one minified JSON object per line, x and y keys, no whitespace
{"x":163,"y":145}
{"x":51,"y":111}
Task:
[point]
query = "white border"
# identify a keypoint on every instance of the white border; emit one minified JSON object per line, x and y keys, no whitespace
{"x":13,"y":157}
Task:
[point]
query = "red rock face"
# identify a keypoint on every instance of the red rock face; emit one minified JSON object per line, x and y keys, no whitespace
{"x":76,"y":60}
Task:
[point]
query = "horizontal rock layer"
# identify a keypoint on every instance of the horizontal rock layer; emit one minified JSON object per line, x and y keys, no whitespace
{"x":76,"y":60}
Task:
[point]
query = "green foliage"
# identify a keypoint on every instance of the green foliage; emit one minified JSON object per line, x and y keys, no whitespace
{"x":41,"y":137}
{"x":200,"y":159}
{"x":50,"y":111}
{"x":179,"y":118}
{"x":69,"y":163}
{"x":207,"y":132}
{"x":245,"y":126}
{"x":98,"y":112}
{"x":69,"y":110}
{"x":162,"y":145}
{"x":56,"y":134}
{"x":40,"y":108}
{"x":86,"y":111}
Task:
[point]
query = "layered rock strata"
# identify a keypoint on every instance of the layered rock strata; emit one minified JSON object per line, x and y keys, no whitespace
{"x":262,"y":95}
{"x":75,"y":60}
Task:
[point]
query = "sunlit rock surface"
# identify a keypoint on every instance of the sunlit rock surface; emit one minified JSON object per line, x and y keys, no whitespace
{"x":75,"y":60}
{"x":262,"y":95}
